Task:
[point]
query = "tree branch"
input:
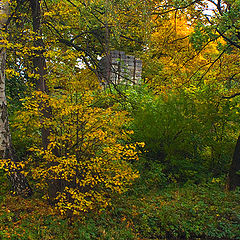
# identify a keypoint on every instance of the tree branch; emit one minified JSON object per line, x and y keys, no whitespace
{"x":232,"y":96}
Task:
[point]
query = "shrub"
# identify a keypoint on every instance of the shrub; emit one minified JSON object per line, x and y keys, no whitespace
{"x":87,"y":158}
{"x":186,"y":132}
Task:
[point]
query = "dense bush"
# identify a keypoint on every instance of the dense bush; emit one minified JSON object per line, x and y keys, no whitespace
{"x":87,"y":158}
{"x":191,"y":133}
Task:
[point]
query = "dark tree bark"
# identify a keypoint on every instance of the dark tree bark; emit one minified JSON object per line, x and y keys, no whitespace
{"x":234,"y":172}
{"x":39,"y":63}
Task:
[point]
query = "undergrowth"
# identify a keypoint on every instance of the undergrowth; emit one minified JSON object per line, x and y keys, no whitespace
{"x":188,"y":212}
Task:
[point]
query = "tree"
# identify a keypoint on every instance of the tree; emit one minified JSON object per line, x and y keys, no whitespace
{"x":50,"y":33}
{"x":234,"y":176}
{"x":226,"y":23}
{"x":19,"y":183}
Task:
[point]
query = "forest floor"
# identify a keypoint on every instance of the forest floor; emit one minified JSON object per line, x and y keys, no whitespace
{"x":189,"y":211}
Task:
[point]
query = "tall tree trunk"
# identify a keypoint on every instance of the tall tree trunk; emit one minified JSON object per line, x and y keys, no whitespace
{"x":39,"y":63}
{"x":18,"y":181}
{"x":234,"y":172}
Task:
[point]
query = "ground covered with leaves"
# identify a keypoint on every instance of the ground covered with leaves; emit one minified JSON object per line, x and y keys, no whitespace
{"x":189,"y":211}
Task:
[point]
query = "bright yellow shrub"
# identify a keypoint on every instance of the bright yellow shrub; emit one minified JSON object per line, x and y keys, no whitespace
{"x":87,"y":155}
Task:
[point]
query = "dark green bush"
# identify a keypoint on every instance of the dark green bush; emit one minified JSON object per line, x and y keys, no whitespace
{"x":187,"y":132}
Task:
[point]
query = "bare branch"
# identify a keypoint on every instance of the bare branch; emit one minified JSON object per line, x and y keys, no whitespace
{"x":232,"y":96}
{"x":176,"y":8}
{"x":220,"y":55}
{"x":228,"y":39}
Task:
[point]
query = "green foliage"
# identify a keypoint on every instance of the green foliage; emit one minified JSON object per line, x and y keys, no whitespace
{"x":15,"y":90}
{"x":223,"y":22}
{"x":190,"y":212}
{"x":152,"y":174}
{"x":190,"y":133}
{"x":3,"y":183}
{"x":199,"y":37}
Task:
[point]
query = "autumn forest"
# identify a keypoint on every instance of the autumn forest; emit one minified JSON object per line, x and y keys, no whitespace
{"x":120,"y":119}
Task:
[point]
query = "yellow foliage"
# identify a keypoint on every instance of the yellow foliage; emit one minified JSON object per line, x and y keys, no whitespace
{"x":87,"y":157}
{"x":173,"y":60}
